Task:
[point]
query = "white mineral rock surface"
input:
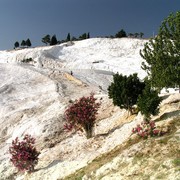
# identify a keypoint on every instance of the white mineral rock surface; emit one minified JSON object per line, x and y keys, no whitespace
{"x":34,"y":95}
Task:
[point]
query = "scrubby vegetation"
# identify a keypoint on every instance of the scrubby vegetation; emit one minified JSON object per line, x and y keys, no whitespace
{"x":53,"y":40}
{"x":16,"y":44}
{"x":46,"y":39}
{"x":27,"y":60}
{"x":81,"y":115}
{"x":24,"y":43}
{"x":148,"y":101}
{"x":24,"y":155}
{"x":121,"y":34}
{"x":156,"y":158}
{"x":147,"y":129}
{"x":124,"y":91}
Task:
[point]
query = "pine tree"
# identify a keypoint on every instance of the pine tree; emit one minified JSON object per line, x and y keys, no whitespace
{"x":46,"y":39}
{"x":83,"y":36}
{"x":131,"y":35}
{"x":16,"y":44}
{"x":141,"y":34}
{"x":125,"y":90}
{"x":28,"y":42}
{"x":136,"y":35}
{"x":88,"y":35}
{"x":148,"y":101}
{"x":73,"y":39}
{"x":162,"y":54}
{"x":121,"y":34}
{"x":23,"y":43}
{"x":53,"y":40}
{"x":68,"y":37}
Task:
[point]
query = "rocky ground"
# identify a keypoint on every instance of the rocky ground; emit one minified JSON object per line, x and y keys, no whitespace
{"x":33,"y":98}
{"x":111,"y":154}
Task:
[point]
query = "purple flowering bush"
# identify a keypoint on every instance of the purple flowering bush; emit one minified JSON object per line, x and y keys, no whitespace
{"x":81,"y":115}
{"x":146,"y":129}
{"x":24,"y":155}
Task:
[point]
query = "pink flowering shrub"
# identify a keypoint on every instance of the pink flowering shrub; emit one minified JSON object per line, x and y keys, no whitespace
{"x":81,"y":115}
{"x":146,"y":129}
{"x":24,"y":155}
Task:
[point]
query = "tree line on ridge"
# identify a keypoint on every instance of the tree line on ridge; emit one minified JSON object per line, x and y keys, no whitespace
{"x":52,"y":40}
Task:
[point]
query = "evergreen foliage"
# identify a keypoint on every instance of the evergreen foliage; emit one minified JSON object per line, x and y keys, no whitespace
{"x":27,"y":60}
{"x":83,"y":36}
{"x":46,"y":39}
{"x":74,"y":38}
{"x":148,"y":101}
{"x":141,"y":34}
{"x":136,"y":35}
{"x":125,"y":90}
{"x":28,"y":42}
{"x":23,"y":43}
{"x":53,"y":40}
{"x":131,"y":35}
{"x":16,"y":44}
{"x":121,"y":34}
{"x":88,"y":35}
{"x":162,"y":54}
{"x":68,"y":37}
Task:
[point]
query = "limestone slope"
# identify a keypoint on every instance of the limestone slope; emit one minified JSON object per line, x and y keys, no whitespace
{"x":34,"y":95}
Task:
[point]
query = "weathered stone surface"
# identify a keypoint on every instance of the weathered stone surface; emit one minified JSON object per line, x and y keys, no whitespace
{"x":33,"y":98}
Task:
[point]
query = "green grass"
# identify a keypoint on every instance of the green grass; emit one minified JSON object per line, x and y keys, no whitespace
{"x":161,"y":176}
{"x":176,"y":162}
{"x":164,"y":166}
{"x":141,"y":157}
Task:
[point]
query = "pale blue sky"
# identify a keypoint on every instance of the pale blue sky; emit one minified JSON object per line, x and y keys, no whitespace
{"x":33,"y":19}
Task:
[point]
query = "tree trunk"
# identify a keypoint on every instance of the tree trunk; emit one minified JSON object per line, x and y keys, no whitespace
{"x":89,"y":130}
{"x":89,"y":134}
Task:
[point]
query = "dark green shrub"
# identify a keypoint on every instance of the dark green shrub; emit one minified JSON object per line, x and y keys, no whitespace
{"x":53,"y":40}
{"x":148,"y":102}
{"x":23,"y":43}
{"x":27,"y":60}
{"x":46,"y":39}
{"x":121,"y":34}
{"x":83,"y":36}
{"x":16,"y":44}
{"x":124,"y":90}
{"x":68,"y":37}
{"x":28,"y":42}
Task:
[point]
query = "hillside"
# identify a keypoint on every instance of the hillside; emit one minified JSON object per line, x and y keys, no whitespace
{"x":35,"y":93}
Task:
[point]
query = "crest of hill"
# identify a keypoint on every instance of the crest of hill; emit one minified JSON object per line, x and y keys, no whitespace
{"x":114,"y":55}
